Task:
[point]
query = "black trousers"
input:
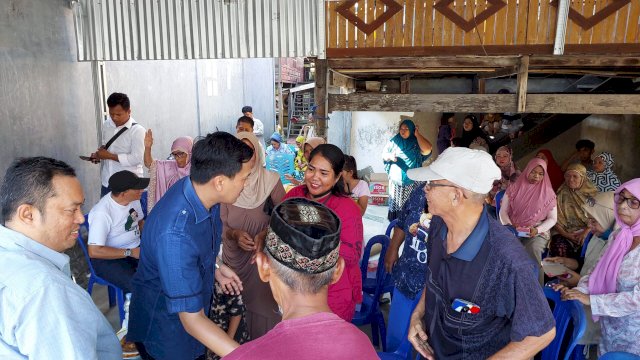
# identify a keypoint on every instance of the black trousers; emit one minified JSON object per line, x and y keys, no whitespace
{"x":144,"y":355}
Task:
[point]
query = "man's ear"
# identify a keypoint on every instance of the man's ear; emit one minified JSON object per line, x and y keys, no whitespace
{"x":338,"y":272}
{"x":264,"y":269}
{"x":26,"y":214}
{"x":218,"y":182}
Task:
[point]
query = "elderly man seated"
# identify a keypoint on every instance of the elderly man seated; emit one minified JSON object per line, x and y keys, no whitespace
{"x":300,"y":261}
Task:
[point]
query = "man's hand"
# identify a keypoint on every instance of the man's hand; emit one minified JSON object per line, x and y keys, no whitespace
{"x":390,"y":259}
{"x":103,"y":154}
{"x":418,"y":338}
{"x":245,"y":241}
{"x":228,"y":280}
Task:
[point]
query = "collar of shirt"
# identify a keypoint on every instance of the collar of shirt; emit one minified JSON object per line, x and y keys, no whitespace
{"x":470,"y":247}
{"x":201,"y":213}
{"x":127,"y":124}
{"x":13,"y":240}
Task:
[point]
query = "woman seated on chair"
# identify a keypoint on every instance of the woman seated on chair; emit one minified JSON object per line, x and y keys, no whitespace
{"x":356,"y":188}
{"x":612,"y":288}
{"x":601,"y":220}
{"x":278,"y":145}
{"x":570,"y":230}
{"x":529,"y":206}
{"x":323,"y":183}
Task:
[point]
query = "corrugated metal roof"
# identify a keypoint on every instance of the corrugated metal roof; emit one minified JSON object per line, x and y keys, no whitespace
{"x":198,"y":29}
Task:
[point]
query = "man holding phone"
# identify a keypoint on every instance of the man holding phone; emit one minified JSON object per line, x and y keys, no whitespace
{"x":482,"y":298}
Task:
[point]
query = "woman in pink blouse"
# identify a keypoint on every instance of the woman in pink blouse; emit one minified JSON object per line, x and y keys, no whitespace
{"x":613,"y":287}
{"x":323,"y":183}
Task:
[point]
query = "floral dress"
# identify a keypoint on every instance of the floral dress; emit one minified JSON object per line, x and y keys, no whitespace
{"x":619,"y":312}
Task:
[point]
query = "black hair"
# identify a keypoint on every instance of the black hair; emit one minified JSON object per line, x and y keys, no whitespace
{"x":444,"y":120}
{"x":350,"y":165}
{"x":504,"y":91}
{"x":473,"y":119}
{"x":121,"y":99}
{"x":335,"y":157}
{"x":219,"y":153}
{"x":30,"y":181}
{"x":585,"y":143}
{"x":245,"y":119}
{"x":246,"y":109}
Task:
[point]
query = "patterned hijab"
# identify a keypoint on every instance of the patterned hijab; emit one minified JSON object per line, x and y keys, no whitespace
{"x":571,"y":215}
{"x":603,"y":278}
{"x":529,"y":203}
{"x":165,"y":173}
{"x":509,"y":171}
{"x":606,"y":180}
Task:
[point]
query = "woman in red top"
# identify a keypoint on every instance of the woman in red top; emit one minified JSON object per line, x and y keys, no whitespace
{"x":322,"y":183}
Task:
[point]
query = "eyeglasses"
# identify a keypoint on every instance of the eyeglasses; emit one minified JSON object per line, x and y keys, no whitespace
{"x":631,"y":201}
{"x":431,"y":184}
{"x":177,"y":155}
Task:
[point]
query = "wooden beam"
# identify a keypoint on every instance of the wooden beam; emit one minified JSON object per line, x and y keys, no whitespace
{"x":523,"y":78}
{"x":546,"y":61}
{"x":423,"y":62}
{"x":488,"y":103}
{"x":508,"y":71}
{"x":482,"y":85}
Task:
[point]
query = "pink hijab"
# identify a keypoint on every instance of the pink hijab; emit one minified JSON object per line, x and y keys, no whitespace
{"x":529,"y":203}
{"x":165,"y":173}
{"x":603,"y":278}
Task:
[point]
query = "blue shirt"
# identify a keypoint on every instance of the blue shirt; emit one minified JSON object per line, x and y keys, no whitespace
{"x":492,"y":270}
{"x":179,"y":245}
{"x":410,"y":269}
{"x":43,"y":313}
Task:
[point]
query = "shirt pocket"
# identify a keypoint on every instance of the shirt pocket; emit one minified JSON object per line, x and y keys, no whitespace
{"x":461,"y":321}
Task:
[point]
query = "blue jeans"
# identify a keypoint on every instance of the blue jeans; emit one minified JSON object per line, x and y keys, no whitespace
{"x":400,"y":318}
{"x":119,"y":272}
{"x":104,"y":191}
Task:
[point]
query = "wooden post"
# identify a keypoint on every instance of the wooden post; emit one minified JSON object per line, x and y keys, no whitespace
{"x":320,"y":97}
{"x":405,"y":84}
{"x":523,"y":76}
{"x":482,"y":85}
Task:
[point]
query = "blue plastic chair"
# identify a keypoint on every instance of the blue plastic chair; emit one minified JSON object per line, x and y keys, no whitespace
{"x":115,"y":293}
{"x":498,"y":199}
{"x":369,"y":312}
{"x":564,"y":312}
{"x":398,"y":328}
{"x":282,"y":164}
{"x":369,"y":285}
{"x":404,"y":352}
{"x":619,"y":355}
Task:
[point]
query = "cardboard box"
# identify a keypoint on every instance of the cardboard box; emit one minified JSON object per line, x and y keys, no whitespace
{"x":380,"y":200}
{"x":379,"y":184}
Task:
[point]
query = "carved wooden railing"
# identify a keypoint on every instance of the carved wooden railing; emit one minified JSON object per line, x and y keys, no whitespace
{"x":478,"y":27}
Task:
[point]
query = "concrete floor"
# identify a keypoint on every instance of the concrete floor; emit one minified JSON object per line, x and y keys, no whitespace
{"x":374,"y":222}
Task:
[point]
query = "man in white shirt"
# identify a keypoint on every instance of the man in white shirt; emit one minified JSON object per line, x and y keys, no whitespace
{"x":258,"y":126}
{"x":115,"y":223}
{"x":43,"y":313}
{"x":126,"y":152}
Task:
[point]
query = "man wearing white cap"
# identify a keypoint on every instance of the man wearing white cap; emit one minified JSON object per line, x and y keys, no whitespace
{"x":482,"y":298}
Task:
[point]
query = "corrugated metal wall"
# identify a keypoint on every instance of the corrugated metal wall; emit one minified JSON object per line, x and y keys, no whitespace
{"x":198,"y":29}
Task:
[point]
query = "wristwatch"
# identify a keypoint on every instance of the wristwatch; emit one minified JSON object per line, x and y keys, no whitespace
{"x":127,"y":252}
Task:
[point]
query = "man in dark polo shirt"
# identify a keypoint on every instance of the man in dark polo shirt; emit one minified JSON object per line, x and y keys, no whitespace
{"x":482,"y":298}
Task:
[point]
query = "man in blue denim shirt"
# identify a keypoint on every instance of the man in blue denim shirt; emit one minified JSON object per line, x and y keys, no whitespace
{"x":409,"y":271}
{"x":173,"y":286}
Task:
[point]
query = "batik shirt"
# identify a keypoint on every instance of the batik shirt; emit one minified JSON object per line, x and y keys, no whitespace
{"x":410,"y":270}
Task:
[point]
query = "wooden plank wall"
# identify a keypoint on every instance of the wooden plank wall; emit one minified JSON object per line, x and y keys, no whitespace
{"x":520,"y":22}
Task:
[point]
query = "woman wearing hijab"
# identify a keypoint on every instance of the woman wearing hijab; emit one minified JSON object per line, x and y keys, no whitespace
{"x":165,"y":173}
{"x":601,"y":221}
{"x":613,"y":287}
{"x":572,"y":225}
{"x":242,"y":222}
{"x":406,"y":150}
{"x":278,"y":145}
{"x":602,"y":176}
{"x":509,"y":170}
{"x":553,"y":169}
{"x":529,"y":205}
{"x":472,"y":133}
{"x":300,"y":163}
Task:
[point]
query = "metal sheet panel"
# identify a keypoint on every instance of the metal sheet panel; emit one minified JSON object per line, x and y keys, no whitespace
{"x":198,"y":29}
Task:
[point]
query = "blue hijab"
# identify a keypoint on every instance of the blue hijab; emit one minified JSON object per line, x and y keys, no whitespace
{"x":408,"y":157}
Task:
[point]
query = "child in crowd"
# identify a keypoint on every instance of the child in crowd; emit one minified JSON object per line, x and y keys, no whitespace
{"x":357,"y":189}
{"x":227,"y":311}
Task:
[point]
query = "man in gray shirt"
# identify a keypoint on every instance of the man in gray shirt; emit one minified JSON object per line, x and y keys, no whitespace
{"x":43,"y":313}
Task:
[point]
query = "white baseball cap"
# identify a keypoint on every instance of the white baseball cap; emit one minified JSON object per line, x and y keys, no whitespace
{"x":473,"y":170}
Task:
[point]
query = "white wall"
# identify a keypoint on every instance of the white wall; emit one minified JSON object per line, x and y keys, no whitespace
{"x":370,"y":132}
